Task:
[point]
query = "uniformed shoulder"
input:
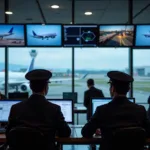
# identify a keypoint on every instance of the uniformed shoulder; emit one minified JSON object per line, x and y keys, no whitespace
{"x":53,"y":106}
{"x":102,"y":107}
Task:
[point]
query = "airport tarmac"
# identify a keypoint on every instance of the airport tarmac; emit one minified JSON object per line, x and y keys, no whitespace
{"x":12,"y":42}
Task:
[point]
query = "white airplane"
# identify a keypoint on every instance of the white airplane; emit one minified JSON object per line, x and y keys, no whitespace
{"x":7,"y":34}
{"x":44,"y":36}
{"x":147,"y":35}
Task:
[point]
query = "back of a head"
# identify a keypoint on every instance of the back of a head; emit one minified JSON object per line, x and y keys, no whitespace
{"x":121,"y":81}
{"x":39,"y":79}
{"x":90,"y":82}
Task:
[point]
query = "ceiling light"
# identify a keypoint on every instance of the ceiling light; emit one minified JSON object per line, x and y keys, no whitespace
{"x":88,"y":13}
{"x":9,"y":12}
{"x":55,"y":6}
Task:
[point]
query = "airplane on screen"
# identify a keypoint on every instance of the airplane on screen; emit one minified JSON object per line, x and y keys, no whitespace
{"x":44,"y":36}
{"x":7,"y":34}
{"x":147,"y":35}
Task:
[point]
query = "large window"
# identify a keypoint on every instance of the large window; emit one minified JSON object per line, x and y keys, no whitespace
{"x":2,"y":70}
{"x":57,"y":60}
{"x":96,"y":62}
{"x":141,"y":68}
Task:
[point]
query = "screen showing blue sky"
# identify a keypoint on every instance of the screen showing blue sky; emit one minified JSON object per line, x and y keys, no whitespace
{"x":115,"y":27}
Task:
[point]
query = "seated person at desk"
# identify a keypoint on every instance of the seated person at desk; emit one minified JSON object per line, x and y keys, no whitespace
{"x":118,"y":113}
{"x":91,"y":92}
{"x":37,"y":112}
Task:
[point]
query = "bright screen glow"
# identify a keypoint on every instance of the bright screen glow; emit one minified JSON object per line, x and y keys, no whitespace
{"x":12,"y":35}
{"x":66,"y":108}
{"x":5,"y":107}
{"x":116,"y":35}
{"x":44,"y":35}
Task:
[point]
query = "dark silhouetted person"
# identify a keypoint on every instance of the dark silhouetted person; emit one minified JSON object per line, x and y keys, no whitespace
{"x":148,"y":111}
{"x":118,"y":113}
{"x":37,"y":112}
{"x":90,"y":93}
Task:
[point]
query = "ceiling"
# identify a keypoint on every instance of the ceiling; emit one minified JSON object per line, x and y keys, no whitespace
{"x":104,"y":11}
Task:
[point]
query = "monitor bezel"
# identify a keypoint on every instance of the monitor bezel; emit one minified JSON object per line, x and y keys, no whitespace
{"x":9,"y":100}
{"x":140,"y":46}
{"x":24,"y":31}
{"x":102,"y":46}
{"x":27,"y":93}
{"x":105,"y":98}
{"x":61,"y":26}
{"x":59,"y":99}
{"x":76,"y":46}
{"x":76,"y":93}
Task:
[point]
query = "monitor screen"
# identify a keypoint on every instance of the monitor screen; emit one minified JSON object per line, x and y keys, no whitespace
{"x":12,"y":35}
{"x":44,"y":35}
{"x":101,"y":101}
{"x":80,"y":35}
{"x":18,"y":95}
{"x":66,"y":108}
{"x":70,"y":95}
{"x":116,"y":35}
{"x":142,"y":35}
{"x":5,"y":106}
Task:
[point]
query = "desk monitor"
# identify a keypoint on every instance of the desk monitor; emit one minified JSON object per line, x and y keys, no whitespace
{"x":70,"y":95}
{"x":116,"y":35}
{"x":142,"y":37}
{"x":44,"y":35}
{"x":5,"y":106}
{"x":18,"y":95}
{"x":12,"y":35}
{"x":95,"y":102}
{"x":66,"y":108}
{"x":80,"y":35}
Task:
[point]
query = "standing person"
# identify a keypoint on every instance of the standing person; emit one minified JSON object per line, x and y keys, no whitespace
{"x":37,"y":112}
{"x":90,"y":93}
{"x":119,"y":113}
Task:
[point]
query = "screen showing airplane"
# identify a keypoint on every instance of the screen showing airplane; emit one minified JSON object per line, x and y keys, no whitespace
{"x":44,"y":35}
{"x":80,"y":35}
{"x":116,"y":35}
{"x":66,"y":108}
{"x":12,"y":35}
{"x":5,"y":106}
{"x":95,"y":102}
{"x":142,"y":35}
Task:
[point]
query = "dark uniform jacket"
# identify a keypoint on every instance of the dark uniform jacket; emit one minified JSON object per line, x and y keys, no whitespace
{"x":40,"y":114}
{"x":120,"y":112}
{"x":92,"y":92}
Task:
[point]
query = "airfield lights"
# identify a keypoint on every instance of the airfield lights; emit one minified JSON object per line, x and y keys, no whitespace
{"x":9,"y":12}
{"x":55,"y":6}
{"x":88,"y":13}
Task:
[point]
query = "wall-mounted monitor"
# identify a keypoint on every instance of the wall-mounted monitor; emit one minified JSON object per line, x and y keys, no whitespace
{"x":142,"y":35}
{"x":116,"y":35}
{"x":44,"y":35}
{"x":80,"y":35}
{"x":12,"y":35}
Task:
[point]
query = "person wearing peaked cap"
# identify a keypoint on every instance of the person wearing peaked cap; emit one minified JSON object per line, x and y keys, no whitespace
{"x":38,"y":111}
{"x":118,"y":113}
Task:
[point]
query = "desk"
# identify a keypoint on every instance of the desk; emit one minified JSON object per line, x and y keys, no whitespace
{"x":79,"y":110}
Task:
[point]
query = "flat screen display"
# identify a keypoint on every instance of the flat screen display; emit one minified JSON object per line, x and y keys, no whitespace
{"x":142,"y":35}
{"x":70,"y":95}
{"x":12,"y":35}
{"x":101,"y":101}
{"x":5,"y":107}
{"x":80,"y":35}
{"x":116,"y":35}
{"x":44,"y":35}
{"x":66,"y":108}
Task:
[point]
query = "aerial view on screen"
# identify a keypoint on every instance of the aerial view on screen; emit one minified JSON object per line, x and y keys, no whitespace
{"x":44,"y":35}
{"x":143,"y":35}
{"x":116,"y":35}
{"x":12,"y":35}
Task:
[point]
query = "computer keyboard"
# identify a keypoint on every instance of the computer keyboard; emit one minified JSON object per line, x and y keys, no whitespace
{"x":2,"y":130}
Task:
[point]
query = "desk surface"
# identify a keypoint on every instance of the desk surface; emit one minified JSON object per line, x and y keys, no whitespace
{"x":76,"y":138}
